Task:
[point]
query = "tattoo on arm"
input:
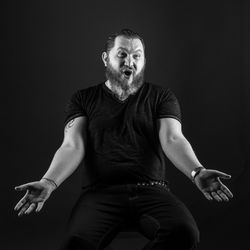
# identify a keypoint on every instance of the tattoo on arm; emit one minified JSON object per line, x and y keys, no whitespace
{"x":69,"y":125}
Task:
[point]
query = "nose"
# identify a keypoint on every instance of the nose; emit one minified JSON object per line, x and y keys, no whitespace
{"x":129,"y":61}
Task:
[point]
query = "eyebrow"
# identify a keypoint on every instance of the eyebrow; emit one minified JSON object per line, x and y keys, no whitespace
{"x":138,"y":50}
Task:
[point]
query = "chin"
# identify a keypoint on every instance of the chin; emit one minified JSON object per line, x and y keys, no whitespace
{"x":127,"y":81}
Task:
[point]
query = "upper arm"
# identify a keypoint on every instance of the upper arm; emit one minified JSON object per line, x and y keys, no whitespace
{"x":169,"y":129}
{"x":75,"y":132}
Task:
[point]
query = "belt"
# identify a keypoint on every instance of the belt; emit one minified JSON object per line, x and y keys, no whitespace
{"x":152,"y":183}
{"x":139,"y":184}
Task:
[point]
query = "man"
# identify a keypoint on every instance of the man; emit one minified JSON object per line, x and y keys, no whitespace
{"x":122,"y":128}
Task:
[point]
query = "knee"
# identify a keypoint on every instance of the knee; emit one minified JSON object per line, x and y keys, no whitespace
{"x":179,"y":236}
{"x":77,"y":243}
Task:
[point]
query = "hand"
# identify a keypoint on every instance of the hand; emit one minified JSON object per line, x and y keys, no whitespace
{"x":209,"y":183}
{"x":36,"y":194}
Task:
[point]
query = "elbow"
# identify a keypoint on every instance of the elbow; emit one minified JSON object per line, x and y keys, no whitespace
{"x":173,"y":138}
{"x":77,"y":147}
{"x":172,"y":144}
{"x":173,"y":141}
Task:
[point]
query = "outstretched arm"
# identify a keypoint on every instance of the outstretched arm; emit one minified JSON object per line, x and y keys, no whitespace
{"x":177,"y":148}
{"x":65,"y":161}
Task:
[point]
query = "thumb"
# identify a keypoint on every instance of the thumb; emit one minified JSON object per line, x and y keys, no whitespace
{"x":22,"y":187}
{"x":223,"y":175}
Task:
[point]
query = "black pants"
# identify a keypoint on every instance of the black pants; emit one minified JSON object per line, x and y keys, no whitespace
{"x":101,"y":212}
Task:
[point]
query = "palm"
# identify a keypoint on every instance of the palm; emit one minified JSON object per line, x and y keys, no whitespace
{"x":36,"y":194}
{"x":209,"y":183}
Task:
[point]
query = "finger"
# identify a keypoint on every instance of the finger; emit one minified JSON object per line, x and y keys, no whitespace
{"x":226,"y":191}
{"x":38,"y":199}
{"x":39,"y":206}
{"x":22,"y":201}
{"x":24,"y":208}
{"x":30,"y":208}
{"x":216,"y":196}
{"x":208,"y":196}
{"x":222,"y":195}
{"x":22,"y":187}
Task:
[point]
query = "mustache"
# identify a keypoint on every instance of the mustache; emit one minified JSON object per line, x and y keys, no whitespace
{"x":130,"y":68}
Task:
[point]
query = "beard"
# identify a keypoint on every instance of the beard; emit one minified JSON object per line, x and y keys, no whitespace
{"x":117,"y":79}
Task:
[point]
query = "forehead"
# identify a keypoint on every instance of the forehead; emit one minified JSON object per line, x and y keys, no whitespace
{"x":131,"y":44}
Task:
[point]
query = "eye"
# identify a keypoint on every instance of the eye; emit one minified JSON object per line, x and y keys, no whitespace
{"x":122,"y":54}
{"x":137,"y":56}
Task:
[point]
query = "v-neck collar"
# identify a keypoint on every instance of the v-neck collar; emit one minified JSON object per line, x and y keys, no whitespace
{"x":113,"y":95}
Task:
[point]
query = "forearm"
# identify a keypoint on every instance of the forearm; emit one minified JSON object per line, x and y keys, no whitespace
{"x":64,"y":163}
{"x":180,"y":153}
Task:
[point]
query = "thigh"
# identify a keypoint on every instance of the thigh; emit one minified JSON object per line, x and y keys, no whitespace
{"x":96,"y":218}
{"x":161,"y":211}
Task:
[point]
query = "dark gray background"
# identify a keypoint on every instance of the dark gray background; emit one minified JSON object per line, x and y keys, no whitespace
{"x":199,"y":49}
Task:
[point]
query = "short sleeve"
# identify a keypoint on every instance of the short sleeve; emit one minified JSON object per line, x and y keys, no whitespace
{"x":75,"y":107}
{"x":168,"y":106}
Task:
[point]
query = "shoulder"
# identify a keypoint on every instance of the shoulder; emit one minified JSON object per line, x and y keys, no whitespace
{"x":159,"y":91}
{"x":87,"y":92}
{"x":89,"y":89}
{"x":158,"y":87}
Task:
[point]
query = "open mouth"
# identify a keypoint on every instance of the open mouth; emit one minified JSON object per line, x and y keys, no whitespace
{"x":127,"y":72}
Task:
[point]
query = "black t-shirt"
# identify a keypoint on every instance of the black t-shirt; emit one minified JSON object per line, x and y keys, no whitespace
{"x":123,"y":143}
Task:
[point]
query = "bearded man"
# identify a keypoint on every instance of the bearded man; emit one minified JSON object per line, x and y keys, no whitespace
{"x":121,"y":129}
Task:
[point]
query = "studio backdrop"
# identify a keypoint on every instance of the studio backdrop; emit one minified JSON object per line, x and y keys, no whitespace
{"x":199,"y":49}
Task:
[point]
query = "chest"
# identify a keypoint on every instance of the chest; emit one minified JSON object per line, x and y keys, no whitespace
{"x":107,"y":114}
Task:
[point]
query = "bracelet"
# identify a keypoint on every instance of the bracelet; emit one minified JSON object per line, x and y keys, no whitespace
{"x":50,"y":181}
{"x":195,"y":172}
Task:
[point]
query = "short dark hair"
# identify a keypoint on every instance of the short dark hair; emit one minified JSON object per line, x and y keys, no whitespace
{"x":128,"y":33}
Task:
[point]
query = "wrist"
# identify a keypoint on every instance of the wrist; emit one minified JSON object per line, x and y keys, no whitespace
{"x":51,"y":183}
{"x":195,"y":172}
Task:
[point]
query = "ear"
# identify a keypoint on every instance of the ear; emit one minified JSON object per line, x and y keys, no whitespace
{"x":105,"y":58}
